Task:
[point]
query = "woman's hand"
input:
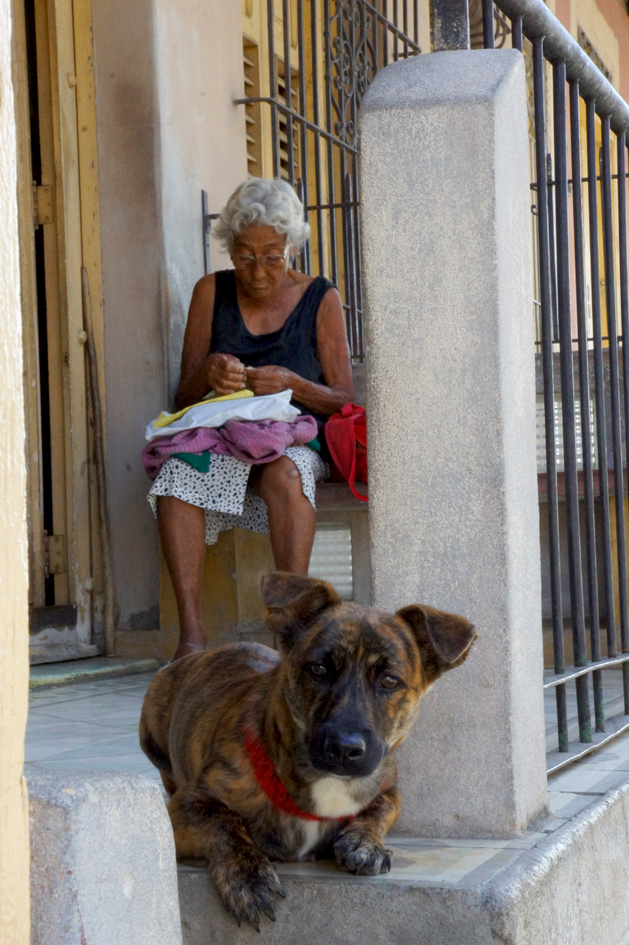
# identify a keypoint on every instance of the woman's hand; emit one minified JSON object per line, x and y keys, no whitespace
{"x":225,"y":373}
{"x":270,"y":379}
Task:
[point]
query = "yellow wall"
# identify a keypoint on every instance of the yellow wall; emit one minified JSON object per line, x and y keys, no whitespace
{"x":14,"y":862}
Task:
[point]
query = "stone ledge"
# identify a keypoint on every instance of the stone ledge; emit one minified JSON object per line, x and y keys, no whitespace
{"x":563,"y":886}
{"x":102,"y":667}
{"x":103,"y":866}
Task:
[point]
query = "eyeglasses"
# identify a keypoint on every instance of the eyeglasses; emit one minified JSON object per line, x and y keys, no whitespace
{"x":267,"y":261}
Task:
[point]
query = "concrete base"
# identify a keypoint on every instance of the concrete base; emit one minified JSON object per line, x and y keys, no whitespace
{"x":102,"y":860}
{"x":563,"y":885}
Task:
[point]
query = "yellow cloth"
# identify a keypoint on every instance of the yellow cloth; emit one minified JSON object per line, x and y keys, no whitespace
{"x":165,"y":419}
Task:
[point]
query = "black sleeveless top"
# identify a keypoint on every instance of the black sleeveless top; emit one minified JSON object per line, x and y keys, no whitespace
{"x":293,"y":346}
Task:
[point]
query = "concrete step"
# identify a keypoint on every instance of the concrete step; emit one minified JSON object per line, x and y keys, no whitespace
{"x":563,"y":885}
{"x":424,"y":899}
{"x":100,"y":667}
{"x":61,"y":652}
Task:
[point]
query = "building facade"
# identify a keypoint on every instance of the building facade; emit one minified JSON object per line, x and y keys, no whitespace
{"x":126,"y":115}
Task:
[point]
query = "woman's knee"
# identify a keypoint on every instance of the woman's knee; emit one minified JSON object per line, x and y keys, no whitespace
{"x":280,"y":478}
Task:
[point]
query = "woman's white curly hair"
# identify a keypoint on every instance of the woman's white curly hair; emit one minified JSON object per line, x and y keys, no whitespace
{"x":263,"y":202}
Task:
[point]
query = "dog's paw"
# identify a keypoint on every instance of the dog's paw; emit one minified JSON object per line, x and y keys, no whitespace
{"x":248,"y":886}
{"x":362,"y":855}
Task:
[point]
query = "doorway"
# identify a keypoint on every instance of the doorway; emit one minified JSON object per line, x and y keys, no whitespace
{"x":56,"y":127}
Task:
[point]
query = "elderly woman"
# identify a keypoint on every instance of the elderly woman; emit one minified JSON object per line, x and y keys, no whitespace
{"x":264,"y":326}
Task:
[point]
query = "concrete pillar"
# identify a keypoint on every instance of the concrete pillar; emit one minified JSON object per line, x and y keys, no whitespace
{"x":451,"y":405}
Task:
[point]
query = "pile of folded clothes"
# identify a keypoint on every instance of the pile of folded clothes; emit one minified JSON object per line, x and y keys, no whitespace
{"x":253,"y":429}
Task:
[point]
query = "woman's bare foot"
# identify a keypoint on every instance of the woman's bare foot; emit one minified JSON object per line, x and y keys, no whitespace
{"x":186,"y":649}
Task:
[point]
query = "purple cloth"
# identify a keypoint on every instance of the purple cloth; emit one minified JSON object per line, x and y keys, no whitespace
{"x":252,"y":441}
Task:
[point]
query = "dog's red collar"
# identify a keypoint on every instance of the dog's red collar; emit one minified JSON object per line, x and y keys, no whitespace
{"x":270,"y":783}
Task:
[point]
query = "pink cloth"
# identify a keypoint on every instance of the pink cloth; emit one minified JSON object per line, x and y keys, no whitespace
{"x":253,"y":441}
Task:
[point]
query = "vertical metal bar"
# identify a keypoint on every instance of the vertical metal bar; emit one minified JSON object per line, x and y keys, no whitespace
{"x":376,"y":23}
{"x":405,"y":26}
{"x":327,"y":33}
{"x":360,"y":352}
{"x":488,"y":24}
{"x":552,"y":244}
{"x":517,"y":41}
{"x":303,"y":133}
{"x":206,"y":232}
{"x":584,"y":396}
{"x":599,"y":382}
{"x":567,"y":398}
{"x":314,"y":40}
{"x":549,"y":398}
{"x":385,"y":35}
{"x":395,"y":32}
{"x":624,"y":319}
{"x":348,"y":246}
{"x":415,"y":22}
{"x":288,"y":91}
{"x":612,"y":332}
{"x":275,"y":131}
{"x":345,"y":233}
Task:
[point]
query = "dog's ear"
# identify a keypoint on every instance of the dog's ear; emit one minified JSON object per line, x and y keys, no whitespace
{"x":444,"y":640}
{"x":292,"y":601}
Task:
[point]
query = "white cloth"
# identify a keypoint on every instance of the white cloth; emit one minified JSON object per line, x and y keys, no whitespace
{"x":267,"y":407}
{"x":222,"y":491}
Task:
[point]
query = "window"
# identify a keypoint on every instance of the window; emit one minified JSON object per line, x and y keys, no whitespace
{"x":331,"y":558}
{"x":252,"y":112}
{"x":287,"y":148}
{"x":558,"y":417}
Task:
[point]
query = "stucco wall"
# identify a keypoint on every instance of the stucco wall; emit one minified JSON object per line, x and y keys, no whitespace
{"x":14,"y":861}
{"x":202,"y":142}
{"x":166,"y":75}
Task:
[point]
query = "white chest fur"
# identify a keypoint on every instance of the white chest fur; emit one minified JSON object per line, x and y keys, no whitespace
{"x":311,"y":832}
{"x":335,"y":797}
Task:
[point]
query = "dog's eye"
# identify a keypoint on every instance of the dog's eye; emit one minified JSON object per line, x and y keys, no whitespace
{"x":317,"y":669}
{"x":389,"y":682}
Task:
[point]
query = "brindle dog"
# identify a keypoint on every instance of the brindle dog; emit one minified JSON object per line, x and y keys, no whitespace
{"x":285,"y":756}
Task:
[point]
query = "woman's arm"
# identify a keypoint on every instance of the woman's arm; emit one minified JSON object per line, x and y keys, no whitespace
{"x":333,"y":355}
{"x":200,"y":372}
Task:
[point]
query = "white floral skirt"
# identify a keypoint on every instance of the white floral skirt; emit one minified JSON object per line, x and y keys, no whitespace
{"x":223,"y":492}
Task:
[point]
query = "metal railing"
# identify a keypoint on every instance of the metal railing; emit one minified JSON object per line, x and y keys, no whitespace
{"x":580,"y":205}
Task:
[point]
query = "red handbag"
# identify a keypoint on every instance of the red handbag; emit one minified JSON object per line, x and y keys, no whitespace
{"x":346,"y":436}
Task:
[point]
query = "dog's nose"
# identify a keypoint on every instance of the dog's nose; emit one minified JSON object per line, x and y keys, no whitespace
{"x":344,"y":749}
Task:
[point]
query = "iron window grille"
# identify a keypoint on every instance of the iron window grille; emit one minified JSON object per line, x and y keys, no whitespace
{"x":322,"y":56}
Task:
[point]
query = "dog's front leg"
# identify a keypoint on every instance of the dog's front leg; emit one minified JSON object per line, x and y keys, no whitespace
{"x":243,"y":875}
{"x":360,"y":847}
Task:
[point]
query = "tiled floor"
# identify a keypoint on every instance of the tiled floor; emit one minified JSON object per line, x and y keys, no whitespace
{"x":89,"y":726}
{"x":94,"y":726}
